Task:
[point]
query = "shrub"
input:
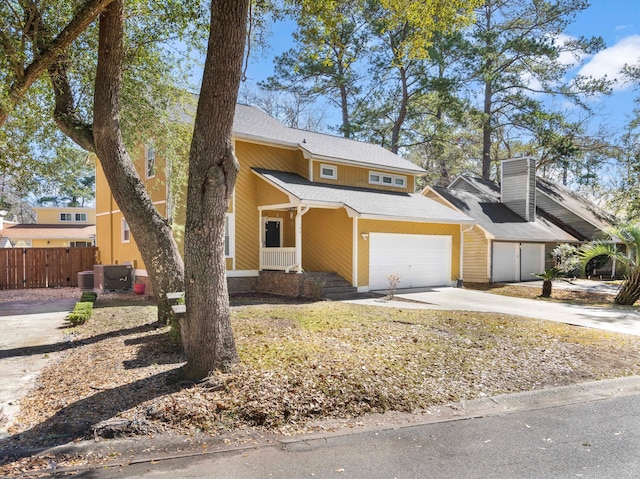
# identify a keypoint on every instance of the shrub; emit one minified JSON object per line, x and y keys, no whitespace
{"x":81,"y":313}
{"x":88,"y":297}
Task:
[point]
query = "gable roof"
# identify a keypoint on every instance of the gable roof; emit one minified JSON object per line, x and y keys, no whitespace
{"x":363,"y":202}
{"x":499,"y":221}
{"x":556,"y":202}
{"x":575,"y":203}
{"x":251,"y":123}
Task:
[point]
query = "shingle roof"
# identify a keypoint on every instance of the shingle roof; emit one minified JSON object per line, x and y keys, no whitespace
{"x":500,"y":221}
{"x":36,"y":231}
{"x":253,"y":123}
{"x":576,"y":203}
{"x":363,"y":201}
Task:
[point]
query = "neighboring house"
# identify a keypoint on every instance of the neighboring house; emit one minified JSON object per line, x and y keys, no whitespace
{"x":520,"y":221}
{"x":310,"y":202}
{"x":54,"y":227}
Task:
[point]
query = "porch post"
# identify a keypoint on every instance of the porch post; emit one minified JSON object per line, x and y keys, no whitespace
{"x":260,"y":238}
{"x":298,"y":226}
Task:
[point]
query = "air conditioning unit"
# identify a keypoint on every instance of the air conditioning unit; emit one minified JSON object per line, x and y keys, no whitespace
{"x":112,"y":277}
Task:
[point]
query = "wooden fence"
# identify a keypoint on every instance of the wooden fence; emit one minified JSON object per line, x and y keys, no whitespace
{"x":43,"y":267}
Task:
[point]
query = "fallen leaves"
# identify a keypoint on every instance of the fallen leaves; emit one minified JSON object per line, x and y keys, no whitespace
{"x":302,"y":363}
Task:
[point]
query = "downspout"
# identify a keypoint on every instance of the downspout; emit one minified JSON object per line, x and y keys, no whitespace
{"x":300,"y":212}
{"x":461,"y":270}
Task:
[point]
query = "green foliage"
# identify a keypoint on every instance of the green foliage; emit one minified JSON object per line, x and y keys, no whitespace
{"x":550,"y":274}
{"x":81,"y":313}
{"x":88,"y":297}
{"x":566,"y":258}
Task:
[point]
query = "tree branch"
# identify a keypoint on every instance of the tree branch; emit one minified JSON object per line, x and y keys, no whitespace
{"x":83,"y":18}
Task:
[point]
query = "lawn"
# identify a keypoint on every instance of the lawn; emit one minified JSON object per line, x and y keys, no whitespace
{"x":302,"y":364}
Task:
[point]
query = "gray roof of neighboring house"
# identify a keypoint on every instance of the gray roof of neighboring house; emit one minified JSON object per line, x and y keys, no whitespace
{"x":576,"y":203}
{"x":500,"y":221}
{"x":567,"y":208}
{"x":254,"y":124}
{"x":364,"y":201}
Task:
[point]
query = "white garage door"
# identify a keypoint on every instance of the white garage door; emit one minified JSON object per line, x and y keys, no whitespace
{"x":531,"y":260}
{"x":420,"y":260}
{"x":517,"y":261}
{"x":506,"y":262}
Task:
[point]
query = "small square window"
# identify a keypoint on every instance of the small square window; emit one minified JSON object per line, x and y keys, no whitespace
{"x":81,"y":217}
{"x":65,"y":217}
{"x":328,"y":172}
{"x":399,"y":181}
{"x":373,"y":178}
{"x":387,"y":180}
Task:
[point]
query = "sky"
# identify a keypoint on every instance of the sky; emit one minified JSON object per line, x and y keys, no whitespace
{"x":616,"y":21}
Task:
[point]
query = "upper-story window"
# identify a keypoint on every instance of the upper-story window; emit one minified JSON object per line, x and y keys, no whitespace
{"x":81,"y":217}
{"x":376,"y":178}
{"x":66,"y":217}
{"x":329,"y":172}
{"x":150,"y":160}
{"x":126,"y":233}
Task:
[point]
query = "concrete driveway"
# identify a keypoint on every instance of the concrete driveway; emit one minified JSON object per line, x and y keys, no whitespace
{"x":31,"y":332}
{"x":616,"y":319}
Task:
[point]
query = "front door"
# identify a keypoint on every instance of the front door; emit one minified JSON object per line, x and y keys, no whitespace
{"x":272,"y":233}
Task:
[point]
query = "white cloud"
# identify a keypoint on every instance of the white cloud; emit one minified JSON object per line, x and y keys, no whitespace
{"x":610,"y":61}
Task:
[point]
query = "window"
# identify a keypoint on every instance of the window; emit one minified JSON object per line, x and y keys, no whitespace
{"x":79,"y":244}
{"x":126,"y":233}
{"x":329,"y":172}
{"x":376,"y":178}
{"x":150,"y":154}
{"x":65,"y":217}
{"x":82,"y":217}
{"x":229,"y":227}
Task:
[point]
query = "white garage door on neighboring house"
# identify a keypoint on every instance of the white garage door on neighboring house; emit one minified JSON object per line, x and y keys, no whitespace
{"x":420,"y":260}
{"x":516,"y":261}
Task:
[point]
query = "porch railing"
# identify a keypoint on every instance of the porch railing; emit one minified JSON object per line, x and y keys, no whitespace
{"x":281,"y":259}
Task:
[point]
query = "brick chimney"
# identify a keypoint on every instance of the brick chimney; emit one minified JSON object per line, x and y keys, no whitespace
{"x":518,"y":186}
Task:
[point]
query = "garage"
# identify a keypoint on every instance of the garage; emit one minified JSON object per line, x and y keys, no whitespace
{"x":420,"y":260}
{"x":517,"y":261}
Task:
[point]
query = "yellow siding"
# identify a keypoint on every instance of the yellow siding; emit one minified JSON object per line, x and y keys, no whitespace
{"x":124,"y":252}
{"x":401,"y":227}
{"x":246,"y":193}
{"x":269,"y":195}
{"x":357,"y":176}
{"x":430,"y":194}
{"x":105,"y":238}
{"x":52,"y":215}
{"x":476,"y":256}
{"x":104,"y":200}
{"x":327,"y":241}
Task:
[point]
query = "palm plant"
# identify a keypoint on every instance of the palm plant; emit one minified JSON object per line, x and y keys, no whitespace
{"x":629,"y":235}
{"x":547,"y":278}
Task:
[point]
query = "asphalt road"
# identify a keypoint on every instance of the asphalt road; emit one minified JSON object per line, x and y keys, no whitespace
{"x":597,"y":439}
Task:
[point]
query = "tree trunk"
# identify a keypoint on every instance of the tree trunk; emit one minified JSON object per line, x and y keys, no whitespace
{"x":152,"y":232}
{"x":206,"y":331}
{"x":630,"y":291}
{"x":546,"y":288}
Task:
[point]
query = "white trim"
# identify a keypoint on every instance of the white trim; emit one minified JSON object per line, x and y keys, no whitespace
{"x":392,"y":179}
{"x":123,"y":222}
{"x":230,"y":220}
{"x":310,"y":169}
{"x":418,"y":220}
{"x":242,"y":273}
{"x":363,"y":289}
{"x":150,"y":146}
{"x":333,"y":175}
{"x":354,"y":262}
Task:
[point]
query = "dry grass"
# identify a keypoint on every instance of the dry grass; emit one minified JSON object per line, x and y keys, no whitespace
{"x":302,"y":363}
{"x":557,"y":294}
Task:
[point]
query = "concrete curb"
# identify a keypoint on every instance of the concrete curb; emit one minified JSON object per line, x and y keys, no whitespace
{"x":163,"y":448}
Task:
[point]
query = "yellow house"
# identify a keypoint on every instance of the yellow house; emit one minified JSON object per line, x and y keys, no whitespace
{"x":54,"y":227}
{"x":308,"y":203}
